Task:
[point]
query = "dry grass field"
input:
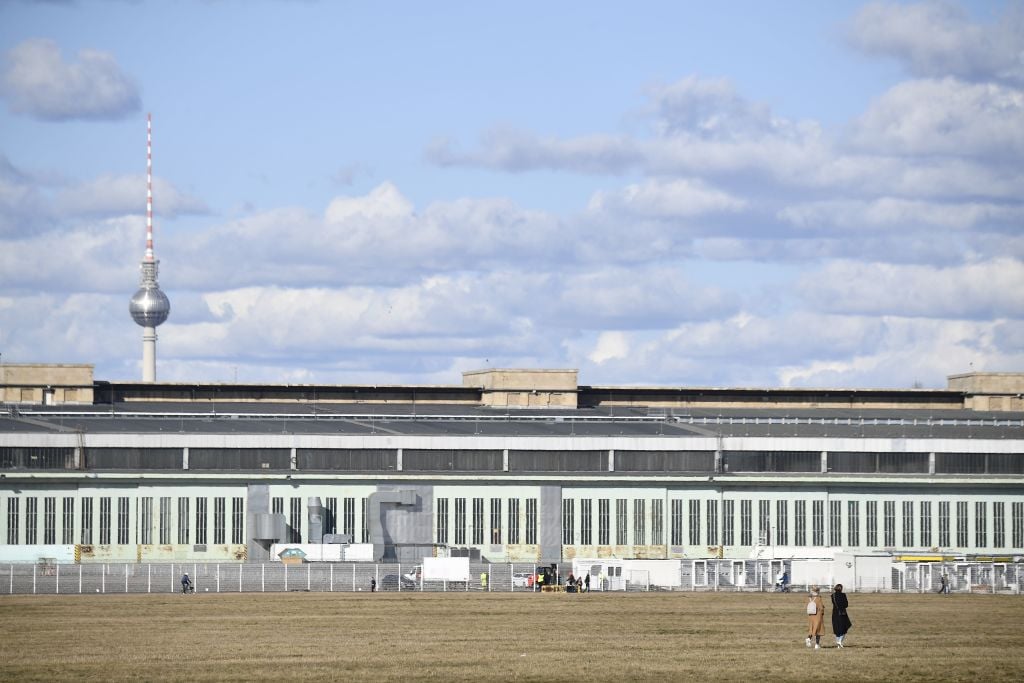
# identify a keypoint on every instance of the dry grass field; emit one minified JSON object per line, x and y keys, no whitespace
{"x":530,"y":637}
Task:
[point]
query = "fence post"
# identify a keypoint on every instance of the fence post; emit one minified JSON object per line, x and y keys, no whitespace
{"x":240,"y":577}
{"x":218,"y":578}
{"x":79,"y":579}
{"x":33,"y":579}
{"x":126,"y":579}
{"x":309,"y":569}
{"x":331,"y":574}
{"x":57,"y":581}
{"x":286,"y":578}
{"x":353,"y":578}
{"x":263,"y":578}
{"x":103,"y":578}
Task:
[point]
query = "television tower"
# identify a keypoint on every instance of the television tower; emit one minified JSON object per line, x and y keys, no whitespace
{"x":150,"y":306}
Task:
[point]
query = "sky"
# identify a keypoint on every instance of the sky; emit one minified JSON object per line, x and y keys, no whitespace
{"x":798,"y":194}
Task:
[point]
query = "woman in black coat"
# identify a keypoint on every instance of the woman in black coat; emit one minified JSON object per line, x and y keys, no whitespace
{"x":840,"y":621}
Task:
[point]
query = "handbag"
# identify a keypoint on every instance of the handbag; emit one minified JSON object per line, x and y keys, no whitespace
{"x":812,"y":607}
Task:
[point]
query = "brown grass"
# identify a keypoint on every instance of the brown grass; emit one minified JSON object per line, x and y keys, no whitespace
{"x":596,"y":637}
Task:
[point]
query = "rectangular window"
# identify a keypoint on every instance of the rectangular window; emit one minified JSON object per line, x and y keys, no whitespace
{"x":294,"y":519}
{"x":728,"y":521}
{"x":460,"y":521}
{"x":604,"y":522}
{"x":817,"y":522}
{"x":835,"y":526}
{"x":800,"y":523}
{"x":201,"y":520}
{"x":495,"y":521}
{"x":182,"y":520}
{"x":219,"y":520}
{"x":32,"y":520}
{"x":694,"y":522}
{"x":237,"y":520}
{"x":513,"y":521}
{"x":12,"y":521}
{"x":853,"y":523}
{"x":86,"y":521}
{"x":926,"y":523}
{"x":782,"y":522}
{"x":961,"y":524}
{"x":365,"y":526}
{"x":277,"y":506}
{"x":68,"y":529}
{"x":998,"y":525}
{"x":478,"y":521}
{"x":331,"y":521}
{"x":348,"y":519}
{"x":657,"y":519}
{"x":567,"y":517}
{"x":441,"y":522}
{"x":49,"y":520}
{"x":621,"y":522}
{"x":639,"y":519}
{"x":712,"y":522}
{"x":145,"y":520}
{"x":746,"y":522}
{"x":872,"y":523}
{"x":980,"y":524}
{"x":105,"y":520}
{"x":123,"y":537}
{"x":908,"y":524}
{"x":677,"y":522}
{"x":889,"y":512}
{"x":531,"y":521}
{"x":764,"y":522}
{"x":165,"y":520}
{"x":1016,"y":509}
{"x":944,"y":523}
{"x":586,"y":523}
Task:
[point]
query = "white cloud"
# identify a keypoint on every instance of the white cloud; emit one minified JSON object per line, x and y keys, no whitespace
{"x":894,"y":213}
{"x":610,"y":346}
{"x":37,"y":81}
{"x":666,"y":199}
{"x":939,"y":39}
{"x":111,"y":196}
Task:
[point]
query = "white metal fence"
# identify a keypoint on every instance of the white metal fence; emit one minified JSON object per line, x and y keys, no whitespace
{"x":694,"y":575}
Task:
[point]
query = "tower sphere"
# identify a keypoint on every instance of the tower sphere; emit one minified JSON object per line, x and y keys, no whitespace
{"x":149,"y":307}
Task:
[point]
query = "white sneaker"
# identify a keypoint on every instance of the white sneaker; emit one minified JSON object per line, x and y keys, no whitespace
{"x":839,"y":643}
{"x":817,"y":647}
{"x":808,"y":641}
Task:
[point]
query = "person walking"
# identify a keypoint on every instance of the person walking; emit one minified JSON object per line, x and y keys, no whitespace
{"x":373,"y":585}
{"x":944,"y":587}
{"x":586,"y":583}
{"x":840,"y":620}
{"x":815,"y":618}
{"x":186,"y":583}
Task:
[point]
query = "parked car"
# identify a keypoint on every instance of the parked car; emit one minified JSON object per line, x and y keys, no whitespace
{"x":390,"y":582}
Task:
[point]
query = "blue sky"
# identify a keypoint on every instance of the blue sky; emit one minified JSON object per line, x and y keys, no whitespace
{"x":806,"y":194}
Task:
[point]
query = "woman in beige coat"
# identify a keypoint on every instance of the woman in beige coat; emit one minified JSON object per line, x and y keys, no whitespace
{"x":815,"y":618}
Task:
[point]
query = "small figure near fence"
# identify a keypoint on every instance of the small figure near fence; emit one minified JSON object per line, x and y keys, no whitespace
{"x":586,"y":583}
{"x":841,"y":623}
{"x":570,"y":584}
{"x":782,"y":582}
{"x":373,"y":585}
{"x":186,"y":584}
{"x":944,"y":585}
{"x":483,"y":581}
{"x":815,"y":618}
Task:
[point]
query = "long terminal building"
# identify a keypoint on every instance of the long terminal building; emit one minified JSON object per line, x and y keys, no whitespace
{"x":509,"y":466}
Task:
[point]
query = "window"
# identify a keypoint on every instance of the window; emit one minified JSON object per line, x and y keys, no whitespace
{"x":495,"y":521}
{"x":586,"y":523}
{"x":182,"y":519}
{"x":441,"y":534}
{"x":123,"y":537}
{"x":277,"y":506}
{"x":694,"y":522}
{"x":478,"y":521}
{"x":49,"y":520}
{"x":219,"y":521}
{"x":961,"y":524}
{"x":513,"y":521}
{"x":165,"y":521}
{"x":201,"y":520}
{"x":853,"y":523}
{"x":145,"y":520}
{"x":86,"y":521}
{"x":999,"y":525}
{"x":604,"y":522}
{"x":365,"y":526}
{"x":621,"y":522}
{"x":981,"y":524}
{"x":677,"y":522}
{"x":639,"y":519}
{"x":12,"y":521}
{"x":294,"y":519}
{"x":746,"y":522}
{"x":32,"y":520}
{"x":349,"y":518}
{"x":567,"y":517}
{"x":68,"y":531}
{"x":817,"y":522}
{"x":926,"y":523}
{"x":800,"y":523}
{"x":1017,"y":510}
{"x":872,"y":522}
{"x":331,"y":521}
{"x":712,"y":522}
{"x":460,"y":521}
{"x":237,"y":520}
{"x":944,"y":523}
{"x":908,"y":524}
{"x":782,"y":522}
{"x":531,"y":521}
{"x":728,"y":532}
{"x":657,"y":519}
{"x":764,"y":522}
{"x":889,"y":511}
{"x":835,"y":526}
{"x":105,"y":520}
